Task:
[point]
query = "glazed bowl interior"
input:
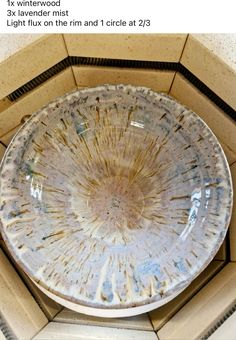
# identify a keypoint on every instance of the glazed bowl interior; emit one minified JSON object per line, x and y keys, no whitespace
{"x":114,"y":198}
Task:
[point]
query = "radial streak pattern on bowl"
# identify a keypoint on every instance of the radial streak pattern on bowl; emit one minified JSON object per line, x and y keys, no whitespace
{"x":114,"y":197}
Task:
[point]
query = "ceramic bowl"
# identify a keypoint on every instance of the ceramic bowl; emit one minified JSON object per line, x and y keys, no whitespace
{"x":114,"y":198}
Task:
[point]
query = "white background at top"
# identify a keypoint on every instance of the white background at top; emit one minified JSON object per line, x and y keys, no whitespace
{"x":167,"y":16}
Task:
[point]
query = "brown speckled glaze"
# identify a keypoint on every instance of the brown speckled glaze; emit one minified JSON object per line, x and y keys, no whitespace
{"x":114,"y":197}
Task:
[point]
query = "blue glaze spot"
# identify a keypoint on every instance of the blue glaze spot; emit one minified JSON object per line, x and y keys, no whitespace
{"x":107,"y":291}
{"x":149,"y":268}
{"x":181,"y":267}
{"x":79,"y":129}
